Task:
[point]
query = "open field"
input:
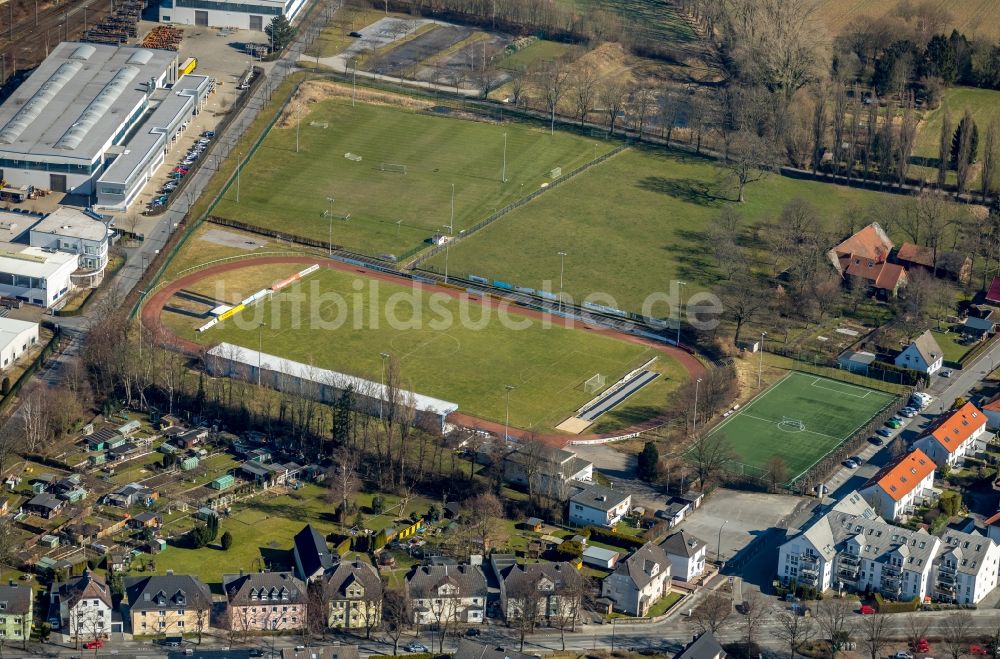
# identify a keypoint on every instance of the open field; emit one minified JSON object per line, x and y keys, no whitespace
{"x":973,"y":17}
{"x":630,"y":226}
{"x":657,"y":20}
{"x":984,"y":104}
{"x":542,"y":50}
{"x":392,"y":212}
{"x":448,"y":347}
{"x":830,"y":412}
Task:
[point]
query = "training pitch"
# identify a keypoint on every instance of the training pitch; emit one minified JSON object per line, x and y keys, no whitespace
{"x":448,"y":345}
{"x":829,"y":412}
{"x":355,"y":155}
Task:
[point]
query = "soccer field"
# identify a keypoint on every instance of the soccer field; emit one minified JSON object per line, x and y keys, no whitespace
{"x":392,"y":212}
{"x":829,"y":412}
{"x":450,"y":348}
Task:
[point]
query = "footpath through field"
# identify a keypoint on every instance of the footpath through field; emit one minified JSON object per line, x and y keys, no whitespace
{"x":152,"y":310}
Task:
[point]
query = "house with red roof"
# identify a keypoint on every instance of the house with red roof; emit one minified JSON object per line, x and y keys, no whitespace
{"x":955,"y":265}
{"x":993,"y":294}
{"x":901,"y":485}
{"x":864,"y":257}
{"x":949,"y":440}
{"x":992,"y":411}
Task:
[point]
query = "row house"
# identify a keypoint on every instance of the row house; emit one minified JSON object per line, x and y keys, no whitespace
{"x":965,"y":570}
{"x":949,"y":440}
{"x":265,"y":601}
{"x":639,"y":581}
{"x":447,"y":593}
{"x":170,"y":604}
{"x":901,"y":485}
{"x":354,"y":592}
{"x":554,"y":589}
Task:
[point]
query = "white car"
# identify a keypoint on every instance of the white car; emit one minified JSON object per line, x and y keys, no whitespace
{"x":415,"y":647}
{"x":947,"y":373}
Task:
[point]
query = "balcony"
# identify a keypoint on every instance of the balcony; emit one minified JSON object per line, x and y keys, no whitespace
{"x":809,"y":560}
{"x":811,"y":579}
{"x":849,"y":559}
{"x":945,"y":568}
{"x":888,"y":569}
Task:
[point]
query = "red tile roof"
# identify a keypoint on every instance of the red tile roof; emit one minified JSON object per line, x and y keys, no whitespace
{"x":993,"y":405}
{"x":890,"y":277}
{"x":916,"y":254}
{"x":993,"y":521}
{"x":870,"y":242}
{"x":901,"y":476}
{"x":881,"y":275}
{"x":958,"y":427}
{"x":993,"y":295}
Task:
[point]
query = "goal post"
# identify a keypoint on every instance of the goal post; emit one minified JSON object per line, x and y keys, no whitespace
{"x":792,"y":422}
{"x":394,"y":167}
{"x":594,"y":383}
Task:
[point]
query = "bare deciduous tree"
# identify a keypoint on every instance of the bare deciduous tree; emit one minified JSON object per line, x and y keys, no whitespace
{"x":875,"y":633}
{"x":794,"y":629}
{"x":713,"y":612}
{"x":553,"y":80}
{"x":944,"y":149}
{"x":754,"y":611}
{"x":709,"y":455}
{"x":612,"y":96}
{"x":835,"y":618}
{"x":396,"y":615}
{"x":486,"y":513}
{"x":957,"y":627}
{"x":750,"y":158}
{"x":584,"y":93}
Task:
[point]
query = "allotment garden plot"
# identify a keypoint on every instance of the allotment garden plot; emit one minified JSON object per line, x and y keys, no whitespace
{"x":385,"y":171}
{"x":800,"y":419}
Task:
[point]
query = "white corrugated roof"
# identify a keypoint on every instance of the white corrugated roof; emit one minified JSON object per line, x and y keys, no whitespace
{"x":11,"y":328}
{"x":338,"y":380}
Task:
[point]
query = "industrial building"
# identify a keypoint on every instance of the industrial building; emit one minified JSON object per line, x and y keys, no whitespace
{"x":88,"y":106}
{"x":241,"y":14}
{"x":35,"y":275}
{"x":16,"y":337}
{"x":72,"y":231}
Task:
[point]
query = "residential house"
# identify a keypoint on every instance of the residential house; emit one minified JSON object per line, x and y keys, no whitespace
{"x":15,"y":612}
{"x":265,"y":601}
{"x":321,"y":652}
{"x":863,"y":257}
{"x":145,"y":520}
{"x":953,"y":436}
{"x":311,"y":554}
{"x":553,"y":589}
{"x":901,"y":485}
{"x":993,"y":527}
{"x":687,"y":555}
{"x":170,"y":604}
{"x":441,"y":593}
{"x":354,"y":592}
{"x":84,"y":605}
{"x":190,"y":438}
{"x":955,"y":265}
{"x":923,"y":355}
{"x":704,"y":646}
{"x":130,"y":495}
{"x":545,"y":470}
{"x":471,"y":649}
{"x":993,"y":294}
{"x":593,"y":504}
{"x":851,"y":547}
{"x":639,"y":581}
{"x":965,"y":570}
{"x":679,"y":507}
{"x":975,"y":328}
{"x":45,"y":505}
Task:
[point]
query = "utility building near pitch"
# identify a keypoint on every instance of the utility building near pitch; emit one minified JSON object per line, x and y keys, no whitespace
{"x":242,"y":14}
{"x":78,"y":111}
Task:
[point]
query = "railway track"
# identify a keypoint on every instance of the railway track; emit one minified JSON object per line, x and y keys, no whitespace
{"x":30,"y":28}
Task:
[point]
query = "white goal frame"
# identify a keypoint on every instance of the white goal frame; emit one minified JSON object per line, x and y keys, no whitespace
{"x":595,"y":383}
{"x":395,"y":167}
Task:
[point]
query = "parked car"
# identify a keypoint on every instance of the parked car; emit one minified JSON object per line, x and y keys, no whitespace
{"x":866,"y":610}
{"x":850,"y":464}
{"x":877,"y":441}
{"x":415,"y":647}
{"x":209,"y":134}
{"x":922,"y":646}
{"x":894,"y":423}
{"x":355,"y":34}
{"x":858,"y":460}
{"x":908,"y":412}
{"x":902,"y":654}
{"x":181,"y":170}
{"x":978,"y":650}
{"x":95,"y":644}
{"x":472,"y":631}
{"x":947,"y":373}
{"x":885,"y":432}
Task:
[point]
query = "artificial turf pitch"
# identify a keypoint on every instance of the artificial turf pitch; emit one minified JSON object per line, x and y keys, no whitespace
{"x":449,"y":348}
{"x":830,"y":411}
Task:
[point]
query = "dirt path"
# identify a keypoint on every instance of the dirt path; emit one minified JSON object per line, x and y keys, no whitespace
{"x":153,"y":308}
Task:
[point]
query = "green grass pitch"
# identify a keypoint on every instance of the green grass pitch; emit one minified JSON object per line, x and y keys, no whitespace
{"x":287,"y":191}
{"x":830,"y":410}
{"x":467,"y":363}
{"x":630,"y":226}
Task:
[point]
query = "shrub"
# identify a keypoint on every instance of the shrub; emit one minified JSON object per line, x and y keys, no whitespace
{"x":378,"y":504}
{"x":612,"y":538}
{"x":226,"y":541}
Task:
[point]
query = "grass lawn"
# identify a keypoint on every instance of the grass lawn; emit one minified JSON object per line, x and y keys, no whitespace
{"x":830,"y":410}
{"x":262,"y":530}
{"x":952,"y":349}
{"x":984,"y":104}
{"x":630,"y":226}
{"x":392,"y":212}
{"x":542,"y":50}
{"x":655,"y":19}
{"x":447,"y":348}
{"x":664,"y":604}
{"x":973,"y":17}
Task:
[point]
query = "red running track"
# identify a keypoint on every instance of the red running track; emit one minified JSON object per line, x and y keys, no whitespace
{"x":153,"y":309}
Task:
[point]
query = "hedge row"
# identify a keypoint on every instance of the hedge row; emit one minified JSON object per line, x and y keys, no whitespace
{"x":612,"y":538}
{"x":895,"y":607}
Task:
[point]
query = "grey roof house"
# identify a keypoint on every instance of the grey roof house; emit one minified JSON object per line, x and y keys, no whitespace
{"x":639,"y":581}
{"x":312,"y":556}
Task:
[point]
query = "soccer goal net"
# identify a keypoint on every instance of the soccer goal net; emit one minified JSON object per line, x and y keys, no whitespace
{"x":594,"y":383}
{"x":792,"y":422}
{"x":392,"y":167}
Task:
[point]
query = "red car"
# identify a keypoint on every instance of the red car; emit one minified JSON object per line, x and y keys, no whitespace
{"x":922,"y":646}
{"x":866,"y":610}
{"x":96,"y":644}
{"x":180,"y":170}
{"x":978,"y":651}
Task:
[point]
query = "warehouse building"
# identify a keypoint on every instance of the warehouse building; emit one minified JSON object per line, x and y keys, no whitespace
{"x":77,"y":111}
{"x":74,"y":232}
{"x":241,"y":14}
{"x":35,"y":275}
{"x":16,"y":337}
{"x":147,"y":149}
